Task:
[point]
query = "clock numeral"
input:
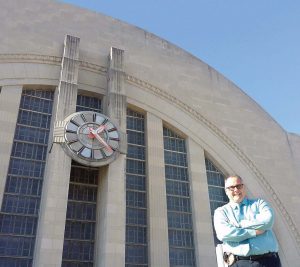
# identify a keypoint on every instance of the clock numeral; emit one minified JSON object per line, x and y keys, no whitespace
{"x":80,"y":150}
{"x":113,"y":149}
{"x":112,"y":129}
{"x":105,"y":121}
{"x":74,"y":122}
{"x":114,"y":139}
{"x":94,"y":117}
{"x":114,"y":146}
{"x":70,"y":142}
{"x":71,"y":131}
{"x":83,"y":117}
{"x":103,"y":153}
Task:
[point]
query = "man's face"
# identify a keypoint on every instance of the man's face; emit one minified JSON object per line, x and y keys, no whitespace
{"x":235,"y":190}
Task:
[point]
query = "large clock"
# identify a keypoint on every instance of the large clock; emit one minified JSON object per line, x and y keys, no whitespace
{"x":91,"y":138}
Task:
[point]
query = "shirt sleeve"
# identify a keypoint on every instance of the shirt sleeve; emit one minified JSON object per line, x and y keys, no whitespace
{"x":228,"y":232}
{"x":262,"y":220}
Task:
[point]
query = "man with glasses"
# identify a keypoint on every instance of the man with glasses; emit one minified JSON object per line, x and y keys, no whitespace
{"x":245,"y":227}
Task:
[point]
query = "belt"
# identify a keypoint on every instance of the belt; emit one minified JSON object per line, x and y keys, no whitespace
{"x":256,"y":257}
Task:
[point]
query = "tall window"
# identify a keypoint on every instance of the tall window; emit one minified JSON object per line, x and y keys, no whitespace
{"x":180,"y":227}
{"x":215,"y":181}
{"x":80,"y":226}
{"x":81,"y":217}
{"x":136,"y":204}
{"x":21,"y":200}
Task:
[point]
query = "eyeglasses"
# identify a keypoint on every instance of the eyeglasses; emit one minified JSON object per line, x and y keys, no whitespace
{"x":238,"y":187}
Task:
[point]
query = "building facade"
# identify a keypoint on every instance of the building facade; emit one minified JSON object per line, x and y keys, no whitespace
{"x":145,"y":196}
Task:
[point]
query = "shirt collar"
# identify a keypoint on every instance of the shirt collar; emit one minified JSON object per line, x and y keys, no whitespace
{"x":238,"y":205}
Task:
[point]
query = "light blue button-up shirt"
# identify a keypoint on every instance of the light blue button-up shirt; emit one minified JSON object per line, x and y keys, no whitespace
{"x":235,"y":225}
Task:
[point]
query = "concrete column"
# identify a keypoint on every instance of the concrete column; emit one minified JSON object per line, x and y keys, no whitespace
{"x":202,"y":226}
{"x":52,"y":217}
{"x":116,"y":96}
{"x":110,"y":232}
{"x":9,"y":99}
{"x":157,"y":204}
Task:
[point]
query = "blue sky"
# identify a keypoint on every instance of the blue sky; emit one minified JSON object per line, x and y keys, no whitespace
{"x":254,"y":43}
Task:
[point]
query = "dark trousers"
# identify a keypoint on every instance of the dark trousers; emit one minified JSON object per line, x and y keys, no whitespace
{"x":272,"y":261}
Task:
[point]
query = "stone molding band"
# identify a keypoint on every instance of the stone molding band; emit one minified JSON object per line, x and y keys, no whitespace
{"x":51,"y":60}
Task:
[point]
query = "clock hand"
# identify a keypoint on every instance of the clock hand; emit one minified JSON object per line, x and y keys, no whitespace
{"x":101,"y":129}
{"x":100,"y":139}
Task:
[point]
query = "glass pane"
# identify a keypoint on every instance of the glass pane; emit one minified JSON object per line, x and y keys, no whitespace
{"x":88,"y":103}
{"x":182,"y":257}
{"x":136,"y":255}
{"x":179,"y":220}
{"x":135,"y":199}
{"x":136,"y":235}
{"x":135,"y":182}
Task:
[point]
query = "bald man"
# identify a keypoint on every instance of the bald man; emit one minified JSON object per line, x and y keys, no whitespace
{"x":245,"y":228}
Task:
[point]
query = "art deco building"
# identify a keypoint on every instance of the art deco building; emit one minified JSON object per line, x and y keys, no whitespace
{"x":114,"y":145}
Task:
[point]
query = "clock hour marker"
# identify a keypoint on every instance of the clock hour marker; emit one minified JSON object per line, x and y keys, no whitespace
{"x":112,"y":129}
{"x":80,"y":149}
{"x":83,"y":117}
{"x":99,"y":119}
{"x":74,"y":122}
{"x":103,"y":153}
{"x":105,"y":121}
{"x":114,"y":139}
{"x":72,"y":141}
{"x":71,"y":131}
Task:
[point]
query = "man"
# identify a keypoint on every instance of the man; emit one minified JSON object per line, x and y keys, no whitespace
{"x":245,"y":228}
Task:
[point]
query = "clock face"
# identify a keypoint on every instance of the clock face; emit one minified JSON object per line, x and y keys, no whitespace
{"x":91,"y":138}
